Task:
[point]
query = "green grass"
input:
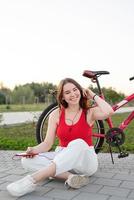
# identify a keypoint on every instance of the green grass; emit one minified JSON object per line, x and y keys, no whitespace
{"x":17,"y":137}
{"x":22,"y":107}
{"x":129,"y":133}
{"x":20,"y":136}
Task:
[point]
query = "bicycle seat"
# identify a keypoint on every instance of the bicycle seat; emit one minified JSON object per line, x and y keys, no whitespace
{"x":93,"y":74}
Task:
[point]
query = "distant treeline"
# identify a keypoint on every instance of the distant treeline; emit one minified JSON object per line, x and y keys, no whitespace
{"x":40,"y":93}
{"x":27,"y":93}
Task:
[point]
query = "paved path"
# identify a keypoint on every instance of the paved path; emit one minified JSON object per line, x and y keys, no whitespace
{"x":111,"y":182}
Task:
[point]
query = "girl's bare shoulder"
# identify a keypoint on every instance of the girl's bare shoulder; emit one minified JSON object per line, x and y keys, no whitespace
{"x":55,"y":115}
{"x":55,"y":112}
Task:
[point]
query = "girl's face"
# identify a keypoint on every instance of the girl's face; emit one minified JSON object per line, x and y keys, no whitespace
{"x":71,"y":93}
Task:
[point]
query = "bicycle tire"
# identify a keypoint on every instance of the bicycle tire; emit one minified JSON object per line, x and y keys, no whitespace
{"x":41,"y":127}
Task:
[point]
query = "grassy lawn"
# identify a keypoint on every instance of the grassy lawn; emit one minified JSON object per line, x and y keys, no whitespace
{"x":20,"y":136}
{"x":22,"y":107}
{"x":17,"y":137}
{"x":129,"y":133}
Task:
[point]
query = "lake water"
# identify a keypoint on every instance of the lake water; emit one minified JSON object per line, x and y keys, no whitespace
{"x":18,"y":117}
{"x":25,"y":117}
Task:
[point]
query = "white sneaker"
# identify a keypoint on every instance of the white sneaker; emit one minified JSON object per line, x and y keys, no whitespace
{"x":22,"y":186}
{"x":77,"y":181}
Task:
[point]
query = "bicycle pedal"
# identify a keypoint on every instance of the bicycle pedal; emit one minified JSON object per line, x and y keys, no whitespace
{"x":123,"y":155}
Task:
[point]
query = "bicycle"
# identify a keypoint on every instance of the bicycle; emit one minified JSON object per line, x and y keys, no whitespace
{"x":115,"y":136}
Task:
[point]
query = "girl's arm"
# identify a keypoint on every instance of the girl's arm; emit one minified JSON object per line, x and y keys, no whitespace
{"x":102,"y":110}
{"x":50,"y":135}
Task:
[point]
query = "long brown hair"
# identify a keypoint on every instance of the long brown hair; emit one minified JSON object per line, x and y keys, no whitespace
{"x":61,"y":102}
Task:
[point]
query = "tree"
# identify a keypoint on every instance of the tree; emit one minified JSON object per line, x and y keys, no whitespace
{"x":2,"y":98}
{"x":41,"y":91}
{"x":22,"y":94}
{"x":5,"y":94}
{"x":110,"y":94}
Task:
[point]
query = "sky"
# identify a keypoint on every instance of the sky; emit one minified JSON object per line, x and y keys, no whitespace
{"x":48,"y":40}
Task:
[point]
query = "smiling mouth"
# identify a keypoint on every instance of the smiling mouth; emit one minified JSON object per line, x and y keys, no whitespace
{"x":74,"y":99}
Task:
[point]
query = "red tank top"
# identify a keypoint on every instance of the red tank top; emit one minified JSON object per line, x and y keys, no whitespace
{"x":67,"y":133}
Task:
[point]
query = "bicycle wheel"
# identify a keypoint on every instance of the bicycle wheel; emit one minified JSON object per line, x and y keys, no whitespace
{"x":42,"y":123}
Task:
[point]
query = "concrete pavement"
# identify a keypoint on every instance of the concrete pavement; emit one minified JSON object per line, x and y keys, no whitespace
{"x":110,"y":182}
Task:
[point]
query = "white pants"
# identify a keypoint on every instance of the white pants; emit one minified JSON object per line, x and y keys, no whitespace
{"x":77,"y":156}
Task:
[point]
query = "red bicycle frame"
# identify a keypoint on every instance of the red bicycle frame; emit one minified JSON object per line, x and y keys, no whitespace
{"x":126,"y":122}
{"x":115,"y":107}
{"x":130,"y":117}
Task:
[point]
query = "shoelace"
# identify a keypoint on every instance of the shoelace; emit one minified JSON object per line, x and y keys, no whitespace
{"x":66,"y":185}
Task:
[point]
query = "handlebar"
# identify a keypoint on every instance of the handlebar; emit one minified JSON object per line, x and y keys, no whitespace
{"x":131,"y":78}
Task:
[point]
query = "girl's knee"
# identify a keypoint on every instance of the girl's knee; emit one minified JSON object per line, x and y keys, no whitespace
{"x":78,"y":142}
{"x":92,"y":171}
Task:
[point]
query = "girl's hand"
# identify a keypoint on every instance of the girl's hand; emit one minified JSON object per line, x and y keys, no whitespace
{"x":31,"y":152}
{"x":88,"y":93}
{"x":85,"y":94}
